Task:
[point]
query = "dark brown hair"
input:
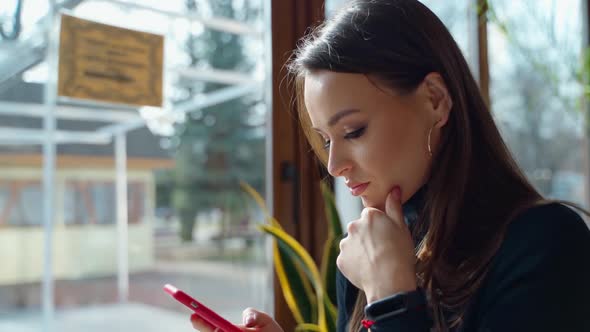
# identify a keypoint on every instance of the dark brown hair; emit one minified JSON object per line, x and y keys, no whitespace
{"x":475,"y":188}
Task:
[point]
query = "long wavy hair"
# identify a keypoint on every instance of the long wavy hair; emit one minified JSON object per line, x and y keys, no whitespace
{"x":475,"y":187}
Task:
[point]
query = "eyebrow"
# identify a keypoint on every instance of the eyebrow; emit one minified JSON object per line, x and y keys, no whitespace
{"x":338,"y":116}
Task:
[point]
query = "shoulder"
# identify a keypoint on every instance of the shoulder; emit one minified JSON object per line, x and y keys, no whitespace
{"x":545,"y":227}
{"x":539,"y":275}
{"x":543,"y":242}
{"x":549,"y":214}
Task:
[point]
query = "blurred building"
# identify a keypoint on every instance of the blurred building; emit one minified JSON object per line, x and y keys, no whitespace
{"x":85,"y":223}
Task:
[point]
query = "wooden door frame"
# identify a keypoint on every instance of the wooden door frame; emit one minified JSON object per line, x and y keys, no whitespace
{"x":297,"y":202}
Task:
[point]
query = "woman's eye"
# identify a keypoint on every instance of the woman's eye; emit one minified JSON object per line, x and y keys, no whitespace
{"x":355,"y":134}
{"x":352,"y":135}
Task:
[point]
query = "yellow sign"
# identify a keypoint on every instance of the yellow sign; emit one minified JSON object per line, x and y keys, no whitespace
{"x":109,"y":64}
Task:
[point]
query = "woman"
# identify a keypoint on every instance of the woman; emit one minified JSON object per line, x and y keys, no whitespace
{"x":453,"y":237}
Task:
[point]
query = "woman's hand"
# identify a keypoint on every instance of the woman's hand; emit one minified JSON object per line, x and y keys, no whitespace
{"x":253,"y":320}
{"x":378,"y":255}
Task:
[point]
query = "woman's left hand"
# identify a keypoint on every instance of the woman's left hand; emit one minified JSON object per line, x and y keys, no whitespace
{"x":378,"y":255}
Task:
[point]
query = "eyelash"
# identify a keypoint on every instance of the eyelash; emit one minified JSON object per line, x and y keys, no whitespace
{"x":352,"y":135}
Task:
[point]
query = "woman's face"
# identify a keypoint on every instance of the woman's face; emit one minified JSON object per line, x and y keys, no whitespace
{"x":375,"y":137}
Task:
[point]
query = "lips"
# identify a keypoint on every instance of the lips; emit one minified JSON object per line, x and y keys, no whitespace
{"x":357,"y":189}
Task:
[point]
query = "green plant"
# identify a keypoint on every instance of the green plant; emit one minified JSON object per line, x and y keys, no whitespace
{"x":310,"y":292}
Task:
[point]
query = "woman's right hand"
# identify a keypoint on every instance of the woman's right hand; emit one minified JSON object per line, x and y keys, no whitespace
{"x":253,"y":320}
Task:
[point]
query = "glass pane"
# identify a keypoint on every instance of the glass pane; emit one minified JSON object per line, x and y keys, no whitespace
{"x":90,"y":202}
{"x":188,"y":221}
{"x":458,"y":16}
{"x":536,"y":91}
{"x":27,"y":195}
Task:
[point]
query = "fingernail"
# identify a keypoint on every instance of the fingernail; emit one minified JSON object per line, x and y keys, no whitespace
{"x":249,"y":320}
{"x":397,"y":193}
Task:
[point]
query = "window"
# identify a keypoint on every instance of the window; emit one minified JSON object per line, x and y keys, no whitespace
{"x":212,"y":136}
{"x":19,"y":203}
{"x":93,"y":202}
{"x":535,"y":52}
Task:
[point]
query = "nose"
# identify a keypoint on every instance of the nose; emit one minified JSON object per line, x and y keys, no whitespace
{"x":338,"y":162}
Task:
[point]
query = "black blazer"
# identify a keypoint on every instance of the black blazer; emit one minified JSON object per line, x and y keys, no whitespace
{"x":539,"y":281}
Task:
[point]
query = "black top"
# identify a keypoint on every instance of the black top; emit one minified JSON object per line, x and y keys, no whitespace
{"x":539,"y":280}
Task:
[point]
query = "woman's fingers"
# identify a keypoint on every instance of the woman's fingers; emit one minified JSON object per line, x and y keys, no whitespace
{"x":254,"y":318}
{"x":393,"y":206}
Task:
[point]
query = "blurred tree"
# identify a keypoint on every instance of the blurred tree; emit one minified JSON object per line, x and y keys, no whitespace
{"x":540,"y":151}
{"x":538,"y":86}
{"x":222,"y":144}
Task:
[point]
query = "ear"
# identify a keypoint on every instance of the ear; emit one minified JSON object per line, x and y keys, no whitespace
{"x":439,"y":97}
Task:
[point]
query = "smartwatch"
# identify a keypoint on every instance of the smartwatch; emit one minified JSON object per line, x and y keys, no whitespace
{"x":395,"y":305}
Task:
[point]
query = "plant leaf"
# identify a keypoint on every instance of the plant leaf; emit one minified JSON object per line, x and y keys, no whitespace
{"x":328,"y":268}
{"x":296,"y":252}
{"x":255,"y":195}
{"x":288,"y":286}
{"x":331,"y":315}
{"x":260,"y":202}
{"x":332,"y":215}
{"x":307,"y":327}
{"x":295,"y":286}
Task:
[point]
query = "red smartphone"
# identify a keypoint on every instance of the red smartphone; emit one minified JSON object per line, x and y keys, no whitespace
{"x":202,"y":311}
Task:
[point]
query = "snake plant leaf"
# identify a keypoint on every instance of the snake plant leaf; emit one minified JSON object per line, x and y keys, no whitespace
{"x":309,"y":294}
{"x":296,"y":252}
{"x":255,"y":195}
{"x":307,"y":327}
{"x":331,"y":315}
{"x":335,"y":226}
{"x":331,"y":247}
{"x":260,"y":202}
{"x":297,"y":291}
{"x":294,"y":283}
{"x":328,"y":267}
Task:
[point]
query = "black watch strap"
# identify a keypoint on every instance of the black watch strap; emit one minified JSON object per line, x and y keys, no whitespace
{"x":395,"y":304}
